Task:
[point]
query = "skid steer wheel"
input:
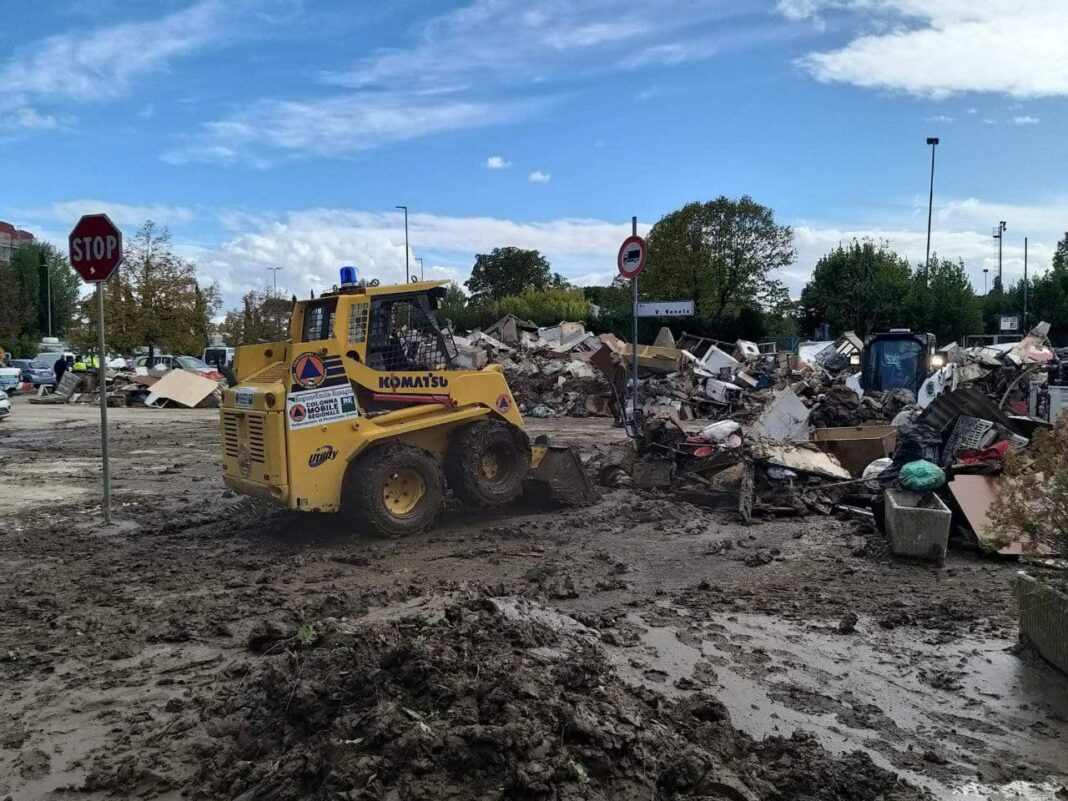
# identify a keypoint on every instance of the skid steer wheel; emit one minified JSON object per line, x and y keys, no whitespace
{"x":395,"y":489}
{"x":487,"y":463}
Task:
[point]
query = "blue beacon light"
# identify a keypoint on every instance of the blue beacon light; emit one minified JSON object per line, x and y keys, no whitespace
{"x":349,"y":276}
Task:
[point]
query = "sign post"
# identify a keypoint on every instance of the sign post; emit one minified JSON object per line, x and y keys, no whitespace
{"x":633,"y":254}
{"x":95,"y":253}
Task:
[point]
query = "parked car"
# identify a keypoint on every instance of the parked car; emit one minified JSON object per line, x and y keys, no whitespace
{"x":50,"y":357}
{"x":10,"y":378}
{"x":35,"y":372}
{"x":161,"y":363}
{"x":219,"y":357}
{"x":5,"y":405}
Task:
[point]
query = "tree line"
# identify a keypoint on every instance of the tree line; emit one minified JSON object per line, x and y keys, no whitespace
{"x":726,"y":255}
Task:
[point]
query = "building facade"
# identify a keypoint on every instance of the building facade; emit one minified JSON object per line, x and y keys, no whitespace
{"x":10,"y":238}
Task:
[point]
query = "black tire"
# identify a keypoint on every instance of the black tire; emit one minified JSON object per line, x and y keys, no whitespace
{"x":470,"y":448}
{"x":368,"y":495}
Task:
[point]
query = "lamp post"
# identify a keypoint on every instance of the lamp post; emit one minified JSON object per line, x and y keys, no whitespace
{"x":407,"y":273}
{"x":985,"y":271}
{"x":275,"y":271}
{"x":421,"y":274}
{"x":933,"y":142}
{"x":999,"y":235}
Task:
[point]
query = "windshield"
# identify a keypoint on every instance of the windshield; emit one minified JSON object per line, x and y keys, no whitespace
{"x":35,"y":365}
{"x":192,"y":363}
{"x":894,"y":363}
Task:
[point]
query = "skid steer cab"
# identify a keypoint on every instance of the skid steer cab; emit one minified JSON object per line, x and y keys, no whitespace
{"x":363,"y":411}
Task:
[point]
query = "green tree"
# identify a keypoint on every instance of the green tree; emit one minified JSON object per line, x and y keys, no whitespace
{"x":721,"y":254}
{"x":613,"y":298}
{"x":453,"y":304}
{"x":262,"y":317}
{"x":37,"y":277}
{"x":942,"y":301}
{"x":153,"y":300}
{"x":508,"y":271}
{"x":863,"y":288}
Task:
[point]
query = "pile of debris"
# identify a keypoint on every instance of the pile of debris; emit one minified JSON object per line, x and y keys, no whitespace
{"x":177,"y":388}
{"x":810,"y":442}
{"x":551,"y":370}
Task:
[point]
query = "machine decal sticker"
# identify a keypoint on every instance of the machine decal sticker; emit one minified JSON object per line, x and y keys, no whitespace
{"x":428,"y":381}
{"x":243,"y":398}
{"x":321,"y":406}
{"x":322,"y":455}
{"x":503,"y":404}
{"x":297,"y":413}
{"x":308,"y":370}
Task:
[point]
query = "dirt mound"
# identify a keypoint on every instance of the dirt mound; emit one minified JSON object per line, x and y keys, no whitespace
{"x":486,"y":705}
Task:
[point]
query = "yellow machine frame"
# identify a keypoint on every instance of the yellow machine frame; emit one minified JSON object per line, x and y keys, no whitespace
{"x":269,"y":454}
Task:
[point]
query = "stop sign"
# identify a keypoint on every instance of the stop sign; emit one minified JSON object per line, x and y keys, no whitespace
{"x":95,"y":247}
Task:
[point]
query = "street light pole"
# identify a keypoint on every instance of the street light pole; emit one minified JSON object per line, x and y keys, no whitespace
{"x":985,"y":271}
{"x":275,"y":271}
{"x":407,"y":273}
{"x":1025,"y":328}
{"x":999,"y":235}
{"x":933,"y":142}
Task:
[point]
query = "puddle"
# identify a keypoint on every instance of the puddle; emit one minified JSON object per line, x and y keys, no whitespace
{"x":969,"y":701}
{"x":1013,"y":791}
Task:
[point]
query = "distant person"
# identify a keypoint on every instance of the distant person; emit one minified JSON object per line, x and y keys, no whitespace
{"x":60,"y":368}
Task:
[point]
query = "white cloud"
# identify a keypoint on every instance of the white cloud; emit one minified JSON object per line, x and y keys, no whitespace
{"x":515,"y":40}
{"x":497,"y":163}
{"x":941,"y":118}
{"x":1025,"y":119}
{"x":671,"y":53}
{"x":123,"y":214}
{"x":312,"y":244}
{"x":32,"y":120}
{"x":461,"y":71}
{"x":936,"y":48}
{"x":271,"y":129}
{"x":539,"y":177}
{"x":101,"y":63}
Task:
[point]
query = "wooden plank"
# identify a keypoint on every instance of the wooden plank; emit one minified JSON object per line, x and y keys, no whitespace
{"x":184,"y":387}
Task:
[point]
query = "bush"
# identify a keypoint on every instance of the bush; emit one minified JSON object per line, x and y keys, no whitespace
{"x":1033,"y":501}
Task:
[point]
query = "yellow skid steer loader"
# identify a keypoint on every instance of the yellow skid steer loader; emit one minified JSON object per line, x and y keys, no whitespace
{"x":363,"y":411}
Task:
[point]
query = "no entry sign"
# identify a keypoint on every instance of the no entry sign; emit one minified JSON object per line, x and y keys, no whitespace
{"x":95,"y":248}
{"x":633,"y":254}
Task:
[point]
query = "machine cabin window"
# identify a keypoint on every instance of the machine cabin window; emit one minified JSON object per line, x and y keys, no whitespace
{"x":319,"y":320}
{"x":405,"y":336}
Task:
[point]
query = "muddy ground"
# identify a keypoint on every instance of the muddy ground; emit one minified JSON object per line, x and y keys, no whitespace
{"x":208,"y":646}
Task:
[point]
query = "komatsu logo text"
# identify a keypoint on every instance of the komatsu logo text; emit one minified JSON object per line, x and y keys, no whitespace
{"x":428,"y":381}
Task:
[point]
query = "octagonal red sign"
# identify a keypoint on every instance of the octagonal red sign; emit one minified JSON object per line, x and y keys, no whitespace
{"x":95,"y":247}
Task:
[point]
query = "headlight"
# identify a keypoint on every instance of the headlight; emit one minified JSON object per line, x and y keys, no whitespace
{"x":854,"y":360}
{"x":938,"y":360}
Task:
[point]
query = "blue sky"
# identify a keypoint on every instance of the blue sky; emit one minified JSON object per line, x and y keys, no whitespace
{"x":283,"y":132}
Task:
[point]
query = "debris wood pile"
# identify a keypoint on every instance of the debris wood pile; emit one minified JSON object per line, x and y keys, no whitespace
{"x":178,"y":388}
{"x":782,"y":433}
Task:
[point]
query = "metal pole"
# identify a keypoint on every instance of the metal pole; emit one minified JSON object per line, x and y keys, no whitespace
{"x":103,"y":403}
{"x":1025,"y":285}
{"x":634,"y":347}
{"x":422,"y":274}
{"x":1001,"y":238}
{"x":933,"y":142}
{"x":407,"y":269}
{"x":48,"y":283}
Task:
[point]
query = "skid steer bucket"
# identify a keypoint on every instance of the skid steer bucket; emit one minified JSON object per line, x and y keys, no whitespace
{"x":556,"y":473}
